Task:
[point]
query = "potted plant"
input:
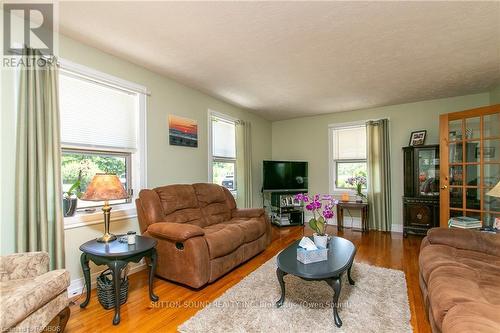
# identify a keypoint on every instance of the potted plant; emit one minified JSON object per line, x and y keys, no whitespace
{"x":322,"y":208}
{"x":70,"y":197}
{"x":358,"y":182}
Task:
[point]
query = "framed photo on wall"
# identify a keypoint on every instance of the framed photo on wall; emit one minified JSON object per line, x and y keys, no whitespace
{"x":417,"y":138}
{"x":182,"y":131}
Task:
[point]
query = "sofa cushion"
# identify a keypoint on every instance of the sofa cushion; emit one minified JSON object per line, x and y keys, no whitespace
{"x":449,"y":286}
{"x":180,"y":205}
{"x":472,"y":317}
{"x":22,"y":297}
{"x":223,"y":239}
{"x":213,"y":228}
{"x":466,"y":239}
{"x":252,"y":228}
{"x":247,"y":212}
{"x":213,"y":202}
{"x":434,"y":256}
{"x":23,"y":265}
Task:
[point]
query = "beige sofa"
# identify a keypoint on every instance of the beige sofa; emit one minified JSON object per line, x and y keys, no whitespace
{"x":32,"y":298}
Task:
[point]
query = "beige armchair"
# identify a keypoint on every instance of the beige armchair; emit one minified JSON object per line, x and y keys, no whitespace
{"x":32,"y":298}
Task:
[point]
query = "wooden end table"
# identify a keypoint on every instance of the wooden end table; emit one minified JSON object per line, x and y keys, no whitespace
{"x":362,"y":206}
{"x":116,"y":255}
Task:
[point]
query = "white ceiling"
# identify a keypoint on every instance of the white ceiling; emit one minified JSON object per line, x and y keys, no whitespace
{"x":291,"y":59}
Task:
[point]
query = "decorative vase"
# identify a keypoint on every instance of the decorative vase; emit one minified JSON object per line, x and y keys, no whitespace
{"x":69,"y":205}
{"x":320,"y":241}
{"x":359,"y":198}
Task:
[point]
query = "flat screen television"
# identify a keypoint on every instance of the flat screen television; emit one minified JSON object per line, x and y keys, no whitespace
{"x":284,"y":176}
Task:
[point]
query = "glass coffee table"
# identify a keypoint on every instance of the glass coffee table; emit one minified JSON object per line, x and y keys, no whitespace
{"x":341,"y":254}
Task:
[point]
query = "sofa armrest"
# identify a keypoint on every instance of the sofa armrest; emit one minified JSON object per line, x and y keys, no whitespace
{"x":425,"y":242}
{"x":464,"y":239}
{"x":247,"y":212}
{"x":23,"y":265}
{"x":177,"y":232}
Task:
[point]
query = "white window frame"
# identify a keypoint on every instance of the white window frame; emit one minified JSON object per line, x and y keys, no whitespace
{"x":139,"y":159}
{"x":211,"y":158}
{"x":332,"y":163}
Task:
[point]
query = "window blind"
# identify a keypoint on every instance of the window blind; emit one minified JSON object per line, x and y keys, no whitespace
{"x":223,"y":138}
{"x":97,"y":115}
{"x":350,"y":143}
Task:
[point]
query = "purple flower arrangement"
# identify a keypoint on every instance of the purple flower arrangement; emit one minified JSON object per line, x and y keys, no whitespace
{"x":358,"y":182}
{"x":322,"y":208}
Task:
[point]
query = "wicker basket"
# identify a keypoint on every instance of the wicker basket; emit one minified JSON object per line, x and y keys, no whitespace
{"x":106,"y":290}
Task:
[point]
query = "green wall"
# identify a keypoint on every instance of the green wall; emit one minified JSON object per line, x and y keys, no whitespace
{"x":495,"y":95}
{"x":165,"y":164}
{"x":8,"y":153}
{"x":307,"y":138}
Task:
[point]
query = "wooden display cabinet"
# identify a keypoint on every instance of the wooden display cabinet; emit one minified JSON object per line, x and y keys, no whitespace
{"x":421,"y":189}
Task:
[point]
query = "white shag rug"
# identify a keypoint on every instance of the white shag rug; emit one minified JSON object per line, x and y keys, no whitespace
{"x":378,"y":302}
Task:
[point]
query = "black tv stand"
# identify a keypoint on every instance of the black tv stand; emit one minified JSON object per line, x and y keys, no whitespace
{"x":283,"y":210}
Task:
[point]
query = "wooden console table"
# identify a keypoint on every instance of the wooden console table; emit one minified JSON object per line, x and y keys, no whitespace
{"x":362,"y":206}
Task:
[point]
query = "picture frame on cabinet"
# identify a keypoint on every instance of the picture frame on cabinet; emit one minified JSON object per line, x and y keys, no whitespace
{"x":417,"y":138}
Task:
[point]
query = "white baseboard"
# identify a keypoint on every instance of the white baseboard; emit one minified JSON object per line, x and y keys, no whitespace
{"x":76,"y":286}
{"x":397,"y":228}
{"x":356,"y":223}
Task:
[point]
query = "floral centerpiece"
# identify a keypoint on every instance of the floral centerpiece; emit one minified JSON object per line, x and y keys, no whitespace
{"x":358,"y":182}
{"x":322,"y":208}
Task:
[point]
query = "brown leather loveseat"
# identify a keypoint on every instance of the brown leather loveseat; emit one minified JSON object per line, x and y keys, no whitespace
{"x":201,"y":234}
{"x":460,"y":280}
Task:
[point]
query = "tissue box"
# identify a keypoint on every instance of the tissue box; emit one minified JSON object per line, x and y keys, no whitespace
{"x":308,"y":257}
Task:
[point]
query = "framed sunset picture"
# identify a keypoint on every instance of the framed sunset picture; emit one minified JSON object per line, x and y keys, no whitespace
{"x":182,"y":131}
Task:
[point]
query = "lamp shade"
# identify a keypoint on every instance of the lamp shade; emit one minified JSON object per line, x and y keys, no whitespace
{"x":495,"y":191}
{"x":105,"y":186}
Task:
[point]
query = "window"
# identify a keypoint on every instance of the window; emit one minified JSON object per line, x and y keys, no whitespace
{"x":348,"y":151}
{"x":88,"y":163}
{"x":223,"y":151}
{"x":102,"y":131}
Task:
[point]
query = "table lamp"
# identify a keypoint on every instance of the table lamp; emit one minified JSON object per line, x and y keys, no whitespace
{"x":105,"y":187}
{"x":495,"y":192}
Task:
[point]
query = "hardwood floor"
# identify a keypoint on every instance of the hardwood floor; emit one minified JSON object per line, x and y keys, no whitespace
{"x":179,"y":303}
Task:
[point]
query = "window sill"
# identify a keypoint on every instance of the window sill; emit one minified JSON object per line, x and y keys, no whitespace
{"x":337,"y":193}
{"x":82,"y":219}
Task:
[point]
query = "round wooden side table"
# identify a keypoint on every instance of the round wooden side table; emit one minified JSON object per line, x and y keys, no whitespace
{"x":116,"y":255}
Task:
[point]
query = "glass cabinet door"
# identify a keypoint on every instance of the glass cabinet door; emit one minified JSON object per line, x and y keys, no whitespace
{"x":472,"y":166}
{"x":428,"y":171}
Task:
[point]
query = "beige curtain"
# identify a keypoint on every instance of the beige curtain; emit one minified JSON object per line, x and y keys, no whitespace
{"x":244,"y":163}
{"x":39,"y":221}
{"x":379,"y":174}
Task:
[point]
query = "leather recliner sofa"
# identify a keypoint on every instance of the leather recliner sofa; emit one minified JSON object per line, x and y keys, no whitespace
{"x":460,"y":280}
{"x":201,"y":234}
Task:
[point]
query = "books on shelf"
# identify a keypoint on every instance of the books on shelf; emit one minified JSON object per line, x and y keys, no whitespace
{"x":464,"y":222}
